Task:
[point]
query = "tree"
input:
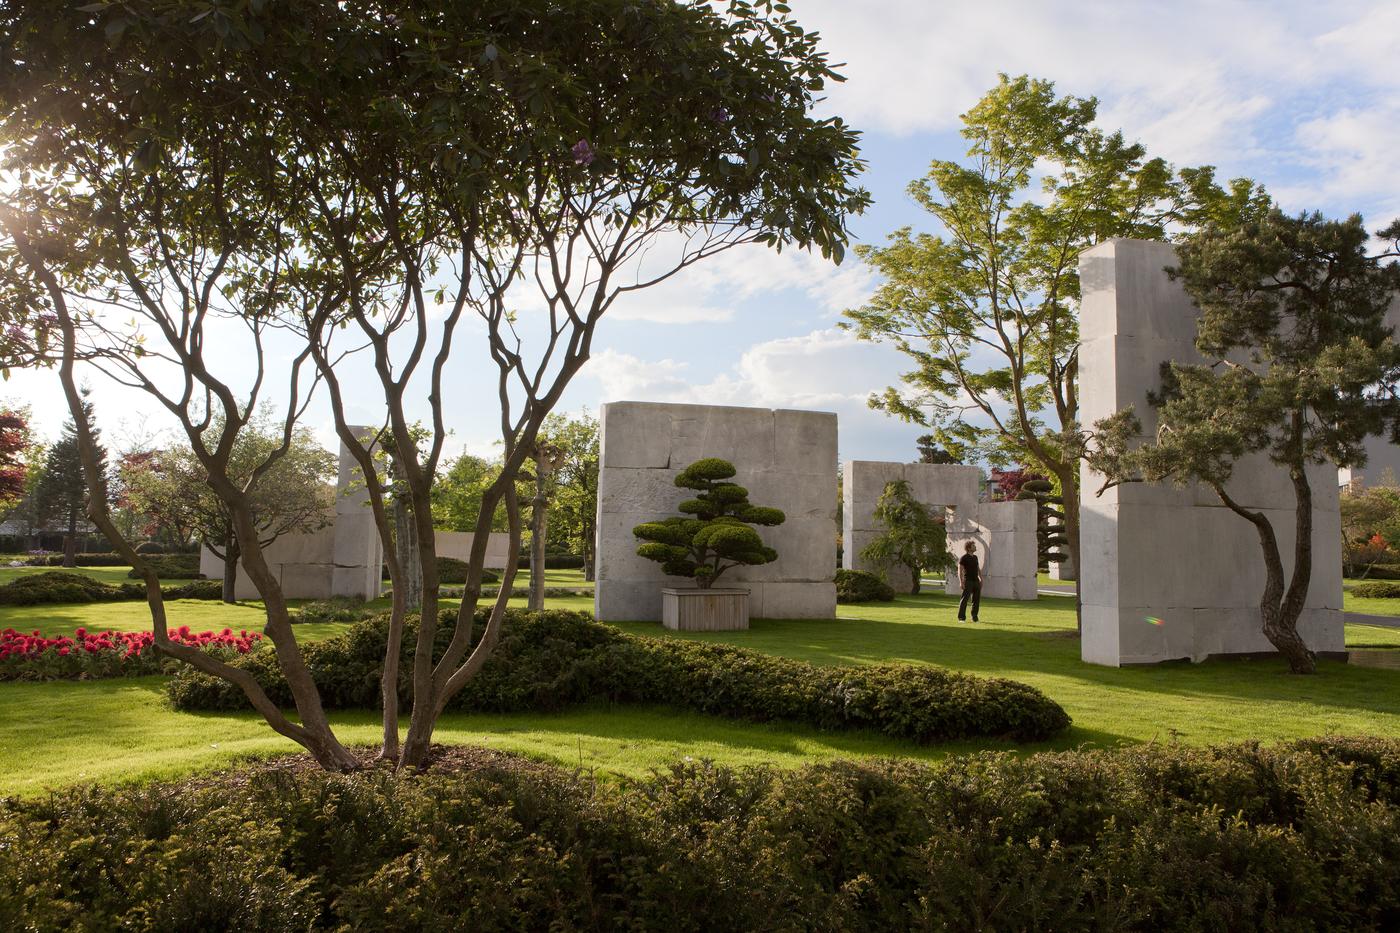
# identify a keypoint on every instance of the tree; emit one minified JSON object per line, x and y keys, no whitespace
{"x":14,"y":445}
{"x":62,"y":492}
{"x":1370,"y":524}
{"x":458,"y":493}
{"x":718,"y":537}
{"x":1050,"y":520}
{"x":987,"y":311}
{"x":354,"y":184}
{"x":1300,"y":366}
{"x":931,"y":452}
{"x":295,"y":496}
{"x":573,"y":505}
{"x":912,"y":539}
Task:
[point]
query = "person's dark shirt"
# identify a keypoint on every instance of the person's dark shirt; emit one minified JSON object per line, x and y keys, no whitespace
{"x":969,"y":564}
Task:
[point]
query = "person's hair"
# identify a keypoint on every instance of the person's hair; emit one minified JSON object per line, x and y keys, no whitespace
{"x":970,"y":546}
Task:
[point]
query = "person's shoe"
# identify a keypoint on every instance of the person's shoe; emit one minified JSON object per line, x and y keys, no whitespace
{"x":975,"y":619}
{"x":962,"y":618}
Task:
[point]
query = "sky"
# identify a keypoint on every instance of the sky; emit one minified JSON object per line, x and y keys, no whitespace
{"x":1301,"y":97}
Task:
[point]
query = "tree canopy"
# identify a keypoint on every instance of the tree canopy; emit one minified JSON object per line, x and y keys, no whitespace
{"x":912,"y":537}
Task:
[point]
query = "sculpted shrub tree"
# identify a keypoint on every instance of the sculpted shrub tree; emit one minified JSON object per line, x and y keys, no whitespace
{"x":717,"y":536}
{"x":987,"y":309}
{"x":389,"y":199}
{"x":1300,"y":367}
{"x":1050,"y":520}
{"x":296,"y":495}
{"x":912,"y":539}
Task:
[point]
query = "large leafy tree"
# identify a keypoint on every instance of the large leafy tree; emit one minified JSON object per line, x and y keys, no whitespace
{"x":62,"y":491}
{"x":986,"y":308}
{"x":15,"y":444}
{"x":913,"y":538}
{"x":1300,"y":366}
{"x":353,"y":182}
{"x":573,"y":503}
{"x":297,"y":495}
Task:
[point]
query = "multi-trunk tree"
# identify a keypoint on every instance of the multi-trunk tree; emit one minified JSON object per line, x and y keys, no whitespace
{"x":1300,"y":366}
{"x":374,"y":195}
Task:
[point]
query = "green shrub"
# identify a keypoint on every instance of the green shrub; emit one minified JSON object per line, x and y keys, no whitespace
{"x":57,"y":586}
{"x":859,"y":586}
{"x":452,"y":571}
{"x":85,"y":559}
{"x":554,"y":659}
{"x":1296,"y":837}
{"x":1380,"y":590}
{"x":172,"y":567}
{"x":335,"y":609}
{"x":1374,"y":571}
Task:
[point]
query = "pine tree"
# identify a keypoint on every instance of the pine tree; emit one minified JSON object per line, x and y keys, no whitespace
{"x":62,"y":492}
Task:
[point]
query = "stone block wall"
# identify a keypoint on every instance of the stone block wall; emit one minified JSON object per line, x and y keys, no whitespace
{"x":344,"y":558}
{"x":1160,"y":552}
{"x":786,"y":459}
{"x":458,"y":545}
{"x":1004,"y":531}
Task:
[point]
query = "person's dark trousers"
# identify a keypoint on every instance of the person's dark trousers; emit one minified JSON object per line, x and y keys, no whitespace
{"x":974,"y":591}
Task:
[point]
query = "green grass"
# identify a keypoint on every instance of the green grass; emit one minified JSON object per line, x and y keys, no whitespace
{"x":1370,"y":606}
{"x":58,"y":733}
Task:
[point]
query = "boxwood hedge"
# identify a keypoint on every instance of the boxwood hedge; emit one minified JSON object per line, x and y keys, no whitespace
{"x":57,"y":586}
{"x":555,"y":659}
{"x":860,"y":586}
{"x":1299,"y":837}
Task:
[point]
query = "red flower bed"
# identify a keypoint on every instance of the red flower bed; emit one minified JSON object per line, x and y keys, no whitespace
{"x":31,"y":656}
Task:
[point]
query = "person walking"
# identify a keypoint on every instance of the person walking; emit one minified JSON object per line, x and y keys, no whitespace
{"x":970,"y":579}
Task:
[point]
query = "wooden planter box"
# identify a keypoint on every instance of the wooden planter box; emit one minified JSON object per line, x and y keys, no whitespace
{"x":712,"y":610}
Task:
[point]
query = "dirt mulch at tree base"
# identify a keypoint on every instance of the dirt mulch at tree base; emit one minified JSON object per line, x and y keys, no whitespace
{"x":443,"y":759}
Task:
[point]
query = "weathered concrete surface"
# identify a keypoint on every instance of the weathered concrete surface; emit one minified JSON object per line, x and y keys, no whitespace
{"x":1004,"y":531}
{"x":458,"y":545}
{"x":786,"y":459}
{"x":1159,"y":552}
{"x":344,"y":558}
{"x":1382,"y":464}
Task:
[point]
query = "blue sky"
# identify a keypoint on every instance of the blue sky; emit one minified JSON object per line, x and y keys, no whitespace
{"x":1299,"y":96}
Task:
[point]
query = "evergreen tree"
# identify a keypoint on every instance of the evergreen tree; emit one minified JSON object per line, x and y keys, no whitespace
{"x":62,"y":491}
{"x":913,"y":538}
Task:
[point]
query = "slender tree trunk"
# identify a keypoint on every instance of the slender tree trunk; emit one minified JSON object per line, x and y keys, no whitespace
{"x":915,"y":581}
{"x":589,"y":567}
{"x":406,"y":545}
{"x":231,"y":568}
{"x":70,"y":540}
{"x":1279,"y":612}
{"x":1069,"y":491}
{"x":539,"y":528}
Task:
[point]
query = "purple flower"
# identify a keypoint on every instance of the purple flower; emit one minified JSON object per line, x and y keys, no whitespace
{"x":719,"y":115}
{"x":583,"y":152}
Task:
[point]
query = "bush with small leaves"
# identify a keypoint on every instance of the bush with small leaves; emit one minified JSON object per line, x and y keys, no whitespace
{"x":1383,"y":589}
{"x":859,"y":586}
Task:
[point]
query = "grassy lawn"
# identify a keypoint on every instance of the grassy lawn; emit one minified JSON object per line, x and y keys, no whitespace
{"x":58,"y":733}
{"x":1372,"y":606}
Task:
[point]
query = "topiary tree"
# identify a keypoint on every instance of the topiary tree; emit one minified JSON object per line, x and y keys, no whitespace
{"x":912,"y":538}
{"x":1050,"y":521}
{"x":717,"y":536}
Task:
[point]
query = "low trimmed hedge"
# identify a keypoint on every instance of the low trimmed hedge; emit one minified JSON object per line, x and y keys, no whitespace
{"x":1383,"y":589}
{"x":1374,"y":571}
{"x":57,"y":586}
{"x":171,"y":567}
{"x":554,"y":659}
{"x":84,"y":559}
{"x":859,"y":586}
{"x":1297,"y":837}
{"x":452,"y":571}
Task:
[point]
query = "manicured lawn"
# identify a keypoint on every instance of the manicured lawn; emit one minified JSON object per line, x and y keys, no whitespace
{"x":1370,"y":606}
{"x":58,"y":733}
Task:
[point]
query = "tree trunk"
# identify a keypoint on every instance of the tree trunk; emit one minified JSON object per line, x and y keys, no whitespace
{"x":589,"y":567}
{"x":914,"y":573}
{"x":230,"y":568}
{"x":406,"y":546}
{"x":70,"y":540}
{"x":1279,"y":613}
{"x":539,"y":527}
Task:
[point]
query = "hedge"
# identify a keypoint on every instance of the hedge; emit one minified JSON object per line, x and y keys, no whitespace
{"x":554,"y":659}
{"x":100,"y":559}
{"x":454,"y":571}
{"x":1374,"y":571}
{"x":1297,"y":837}
{"x":56,"y":586}
{"x":859,"y":586}
{"x":1380,"y":590}
{"x":171,"y":567}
